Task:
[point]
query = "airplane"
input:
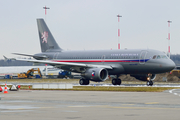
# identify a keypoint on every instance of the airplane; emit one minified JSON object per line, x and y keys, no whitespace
{"x":97,"y":65}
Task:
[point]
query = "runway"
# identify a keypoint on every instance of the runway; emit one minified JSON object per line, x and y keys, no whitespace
{"x":89,"y":105}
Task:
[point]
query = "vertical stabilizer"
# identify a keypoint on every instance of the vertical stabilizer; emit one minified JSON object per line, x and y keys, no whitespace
{"x":47,"y":41}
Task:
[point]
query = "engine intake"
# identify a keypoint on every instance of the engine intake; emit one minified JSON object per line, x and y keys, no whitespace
{"x":95,"y":74}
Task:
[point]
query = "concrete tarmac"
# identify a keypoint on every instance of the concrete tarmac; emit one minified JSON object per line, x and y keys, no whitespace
{"x":90,"y":105}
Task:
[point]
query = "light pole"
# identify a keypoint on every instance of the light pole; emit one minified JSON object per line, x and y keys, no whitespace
{"x":169,"y":36}
{"x":118,"y":31}
{"x":45,"y":8}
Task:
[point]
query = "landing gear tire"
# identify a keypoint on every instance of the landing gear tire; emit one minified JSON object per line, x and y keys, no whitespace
{"x":86,"y":82}
{"x":149,"y":83}
{"x":116,"y":81}
{"x":83,"y":82}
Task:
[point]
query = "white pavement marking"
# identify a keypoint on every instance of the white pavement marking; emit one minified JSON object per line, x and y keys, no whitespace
{"x":173,"y":91}
{"x":170,"y":91}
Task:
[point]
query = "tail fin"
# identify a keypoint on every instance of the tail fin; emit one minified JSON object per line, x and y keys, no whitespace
{"x":47,"y":41}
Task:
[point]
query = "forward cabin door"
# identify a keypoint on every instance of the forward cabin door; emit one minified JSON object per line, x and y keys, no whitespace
{"x":103,"y":59}
{"x":55,"y":56}
{"x":142,"y":57}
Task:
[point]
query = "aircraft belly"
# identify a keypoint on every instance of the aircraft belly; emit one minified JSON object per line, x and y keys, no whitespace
{"x":117,"y":68}
{"x":136,"y":68}
{"x":131,"y":67}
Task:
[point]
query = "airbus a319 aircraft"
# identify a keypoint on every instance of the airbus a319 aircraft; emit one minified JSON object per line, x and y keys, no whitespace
{"x":96,"y":65}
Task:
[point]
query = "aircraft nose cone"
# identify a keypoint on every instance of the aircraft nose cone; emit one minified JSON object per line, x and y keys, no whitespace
{"x":170,"y":65}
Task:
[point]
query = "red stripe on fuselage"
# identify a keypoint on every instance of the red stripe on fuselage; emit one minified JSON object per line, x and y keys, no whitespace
{"x":95,"y":60}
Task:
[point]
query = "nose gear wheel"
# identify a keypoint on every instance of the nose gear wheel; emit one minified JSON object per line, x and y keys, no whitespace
{"x":149,"y":83}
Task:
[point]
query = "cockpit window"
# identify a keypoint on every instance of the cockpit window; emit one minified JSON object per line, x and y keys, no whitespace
{"x":158,"y":57}
{"x":164,"y":56}
{"x":154,"y":57}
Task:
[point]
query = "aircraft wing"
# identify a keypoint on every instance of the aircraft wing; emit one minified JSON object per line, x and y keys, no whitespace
{"x":59,"y":64}
{"x":41,"y":57}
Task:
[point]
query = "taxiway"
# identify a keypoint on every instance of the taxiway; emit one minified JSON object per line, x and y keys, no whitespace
{"x":89,"y":105}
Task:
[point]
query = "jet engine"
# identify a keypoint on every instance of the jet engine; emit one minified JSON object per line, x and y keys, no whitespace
{"x":144,"y":77}
{"x":95,"y":74}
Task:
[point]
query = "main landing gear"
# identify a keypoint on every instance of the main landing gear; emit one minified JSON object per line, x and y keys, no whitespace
{"x":149,"y":83}
{"x":116,"y":81}
{"x":83,"y":81}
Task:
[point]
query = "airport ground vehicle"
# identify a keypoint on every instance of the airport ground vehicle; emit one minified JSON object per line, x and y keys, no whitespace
{"x":64,"y":74}
{"x":8,"y":77}
{"x":176,"y":73}
{"x":29,"y":73}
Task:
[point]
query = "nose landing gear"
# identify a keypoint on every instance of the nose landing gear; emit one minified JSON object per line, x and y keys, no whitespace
{"x":149,"y":83}
{"x":149,"y":80}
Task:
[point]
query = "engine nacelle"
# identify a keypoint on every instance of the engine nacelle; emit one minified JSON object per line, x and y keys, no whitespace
{"x":144,"y":77}
{"x":95,"y":74}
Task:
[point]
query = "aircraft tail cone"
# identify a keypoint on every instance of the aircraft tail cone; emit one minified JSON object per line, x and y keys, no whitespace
{"x":5,"y":89}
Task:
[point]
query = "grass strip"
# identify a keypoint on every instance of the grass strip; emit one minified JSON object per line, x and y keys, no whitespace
{"x":125,"y":89}
{"x":104,"y":88}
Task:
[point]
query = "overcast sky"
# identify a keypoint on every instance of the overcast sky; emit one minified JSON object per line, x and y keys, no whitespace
{"x":89,"y":24}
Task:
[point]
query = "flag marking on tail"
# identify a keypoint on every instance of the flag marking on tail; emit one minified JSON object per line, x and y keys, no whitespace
{"x":44,"y":37}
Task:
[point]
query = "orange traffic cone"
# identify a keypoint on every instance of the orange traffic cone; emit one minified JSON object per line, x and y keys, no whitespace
{"x":5,"y":89}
